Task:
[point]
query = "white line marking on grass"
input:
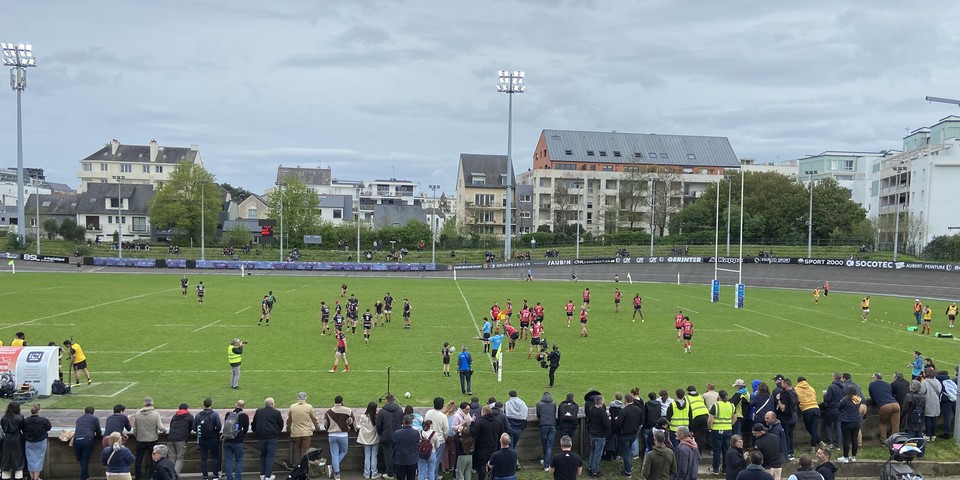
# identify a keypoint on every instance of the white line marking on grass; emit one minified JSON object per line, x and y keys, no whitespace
{"x":752,"y":331}
{"x":51,"y":288}
{"x":112,"y":395}
{"x":687,"y":309}
{"x":206,"y":326}
{"x":779,"y":355}
{"x":472,"y":317}
{"x":146,"y":352}
{"x":9,"y":293}
{"x":719,"y":330}
{"x":28,"y":322}
{"x":831,"y":356}
{"x":242,"y":310}
{"x":124,"y":389}
{"x":806,"y":373}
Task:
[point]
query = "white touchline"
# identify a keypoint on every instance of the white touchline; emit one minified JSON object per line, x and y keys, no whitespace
{"x":752,"y":331}
{"x":831,"y":356}
{"x":472,"y":318}
{"x":146,"y":352}
{"x":28,"y":322}
{"x":241,"y":310}
{"x":207,"y":326}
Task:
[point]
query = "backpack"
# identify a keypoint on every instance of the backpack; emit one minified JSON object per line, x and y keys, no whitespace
{"x":231,"y":427}
{"x":568,"y":411}
{"x":949,"y":391}
{"x":207,"y":427}
{"x":425,"y":446}
{"x":59,"y":388}
{"x":915,"y":415}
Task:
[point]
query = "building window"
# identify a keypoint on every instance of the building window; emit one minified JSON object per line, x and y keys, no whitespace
{"x":652,"y":154}
{"x":126,"y":168}
{"x":637,"y":155}
{"x":663,"y":155}
{"x":485,"y":217}
{"x":608,"y":168}
{"x":139,"y":224}
{"x":593,"y":167}
{"x":568,"y":152}
{"x":159,"y":169}
{"x":545,"y":182}
{"x":104,"y":167}
{"x":848,"y":165}
{"x":252,"y":212}
{"x":478,"y":180}
{"x":146,"y":168}
{"x":483,"y":199}
{"x":87,"y":167}
{"x":525,"y":198}
{"x":337,"y":213}
{"x":524,"y":214}
{"x":589,"y":153}
{"x":616,"y":153}
{"x":691,"y":156}
{"x":603,"y":153}
{"x":631,"y":169}
{"x":565,"y":166}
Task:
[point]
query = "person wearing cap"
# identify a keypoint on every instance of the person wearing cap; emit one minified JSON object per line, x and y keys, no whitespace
{"x":809,"y":409}
{"x":234,"y":353}
{"x":741,"y":405}
{"x":917,"y":310}
{"x":181,"y":425}
{"x":881,"y":393}
{"x":147,"y":427}
{"x":699,"y":415}
{"x":720,"y":423}
{"x":769,"y":446}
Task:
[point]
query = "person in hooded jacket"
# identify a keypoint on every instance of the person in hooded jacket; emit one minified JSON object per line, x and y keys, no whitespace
{"x":486,"y":431}
{"x":547,"y":418}
{"x":568,"y":413}
{"x":181,"y":424}
{"x":659,"y":463}
{"x":826,"y":468}
{"x":651,"y":413}
{"x":389,"y":419}
{"x":831,"y":413}
{"x":628,"y":425}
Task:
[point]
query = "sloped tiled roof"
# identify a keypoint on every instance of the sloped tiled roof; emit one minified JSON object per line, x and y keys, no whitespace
{"x":617,"y":147}
{"x":491,"y":167}
{"x":92,"y":201}
{"x":53,"y":204}
{"x":141,"y":154}
{"x":309,"y":176}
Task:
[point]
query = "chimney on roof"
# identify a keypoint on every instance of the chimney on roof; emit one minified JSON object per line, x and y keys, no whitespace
{"x":154,"y":150}
{"x":114,"y":145}
{"x":194,"y":147}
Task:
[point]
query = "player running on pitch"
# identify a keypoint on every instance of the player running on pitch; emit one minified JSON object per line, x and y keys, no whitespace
{"x":264,"y":310}
{"x":569,"y":308}
{"x":678,"y":322}
{"x":816,"y":295}
{"x":583,"y":321}
{"x":367,"y":325}
{"x":324,"y":317}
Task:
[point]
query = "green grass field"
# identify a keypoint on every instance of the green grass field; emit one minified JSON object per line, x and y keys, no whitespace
{"x":143,"y":338}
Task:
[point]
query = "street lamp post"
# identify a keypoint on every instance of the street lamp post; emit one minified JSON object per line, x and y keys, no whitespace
{"x":579,"y":188}
{"x":37,"y":185}
{"x":433,"y":226}
{"x":896,"y":230}
{"x":20,"y":57}
{"x":653,"y":210}
{"x":203,"y":226}
{"x":509,"y":83}
{"x":119,"y":179}
{"x":811,"y":173}
{"x":280,"y":189}
{"x":358,"y":224}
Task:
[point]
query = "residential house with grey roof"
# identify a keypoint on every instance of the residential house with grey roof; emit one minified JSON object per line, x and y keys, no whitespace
{"x":149,"y":164}
{"x":607,"y":181}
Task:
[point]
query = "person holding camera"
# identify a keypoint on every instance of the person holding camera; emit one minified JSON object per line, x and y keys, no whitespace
{"x":234,"y":352}
{"x":553,"y":362}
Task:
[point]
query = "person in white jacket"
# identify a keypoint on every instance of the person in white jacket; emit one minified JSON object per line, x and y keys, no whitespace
{"x":441,"y":425}
{"x":370,"y":440}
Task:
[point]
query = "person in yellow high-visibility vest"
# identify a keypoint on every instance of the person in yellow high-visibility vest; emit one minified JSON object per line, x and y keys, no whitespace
{"x":698,"y":417}
{"x":678,"y":413}
{"x":234,"y":356}
{"x":952,"y":313}
{"x":722,"y":417}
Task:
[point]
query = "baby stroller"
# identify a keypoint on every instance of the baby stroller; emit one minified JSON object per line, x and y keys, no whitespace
{"x":311,"y":466}
{"x":903,"y":449}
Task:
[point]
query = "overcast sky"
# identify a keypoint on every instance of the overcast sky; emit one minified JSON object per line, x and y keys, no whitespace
{"x":380,"y":89}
